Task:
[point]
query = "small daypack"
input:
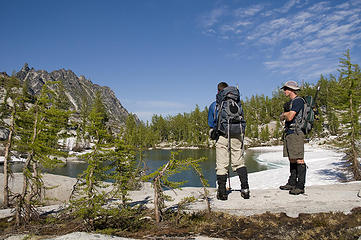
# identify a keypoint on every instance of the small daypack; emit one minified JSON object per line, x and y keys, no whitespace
{"x":230,"y":112}
{"x":304,"y":121}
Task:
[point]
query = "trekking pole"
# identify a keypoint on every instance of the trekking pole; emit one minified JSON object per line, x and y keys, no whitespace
{"x":229,"y":158}
{"x":242,"y":139}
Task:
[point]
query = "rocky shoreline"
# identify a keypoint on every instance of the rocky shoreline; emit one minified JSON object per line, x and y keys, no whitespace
{"x":341,"y":197}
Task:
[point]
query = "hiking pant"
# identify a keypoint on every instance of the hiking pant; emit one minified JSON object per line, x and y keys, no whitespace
{"x":222,"y":155}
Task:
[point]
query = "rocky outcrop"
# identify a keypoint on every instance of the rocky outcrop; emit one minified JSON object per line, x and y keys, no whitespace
{"x":77,"y":90}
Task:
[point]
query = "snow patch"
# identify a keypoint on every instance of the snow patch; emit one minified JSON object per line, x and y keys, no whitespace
{"x":323,"y":167}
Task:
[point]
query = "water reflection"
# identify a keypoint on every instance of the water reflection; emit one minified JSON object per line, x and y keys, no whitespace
{"x":157,"y":158}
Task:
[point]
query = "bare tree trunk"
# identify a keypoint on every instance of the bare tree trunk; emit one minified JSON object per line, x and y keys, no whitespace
{"x":156,"y":199}
{"x":18,"y":211}
{"x":24,"y":201}
{"x":354,"y":161}
{"x":21,"y":205}
{"x":37,"y":188}
{"x":7,"y":158}
{"x":157,"y":194}
{"x":6,"y":171}
{"x":90,"y":191}
{"x":90,"y":179}
{"x":206,"y":193}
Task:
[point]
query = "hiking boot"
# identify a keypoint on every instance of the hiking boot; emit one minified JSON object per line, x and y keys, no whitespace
{"x":245,"y":193}
{"x":221,"y":196}
{"x":292,"y":180}
{"x":297,"y":191}
{"x":301,"y":176}
{"x":222,"y":192}
{"x":243,"y":177}
{"x":287,"y":187}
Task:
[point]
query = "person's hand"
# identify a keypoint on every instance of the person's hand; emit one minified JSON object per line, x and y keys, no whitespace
{"x":282,"y":117}
{"x":213,"y":134}
{"x":210,"y":132}
{"x":287,"y":106}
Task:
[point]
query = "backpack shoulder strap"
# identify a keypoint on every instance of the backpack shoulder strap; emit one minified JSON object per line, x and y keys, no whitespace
{"x":299,"y":118}
{"x":215,"y":112}
{"x":219,"y":107}
{"x":297,"y":97}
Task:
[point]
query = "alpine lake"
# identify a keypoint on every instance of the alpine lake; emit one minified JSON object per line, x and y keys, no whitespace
{"x":156,"y":158}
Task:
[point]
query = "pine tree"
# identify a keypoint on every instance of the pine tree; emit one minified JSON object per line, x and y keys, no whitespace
{"x":348,"y":102}
{"x":264,"y":136}
{"x":109,"y":159}
{"x":89,"y":197}
{"x":196,"y":127}
{"x":160,"y":127}
{"x":38,"y":128}
{"x":124,"y":173}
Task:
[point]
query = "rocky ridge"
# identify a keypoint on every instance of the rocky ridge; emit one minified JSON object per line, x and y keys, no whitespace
{"x":77,"y":89}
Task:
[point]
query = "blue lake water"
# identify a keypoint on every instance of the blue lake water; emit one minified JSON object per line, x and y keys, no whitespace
{"x":156,"y":158}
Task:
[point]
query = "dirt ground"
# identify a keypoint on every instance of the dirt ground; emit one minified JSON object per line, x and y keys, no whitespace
{"x":215,"y":225}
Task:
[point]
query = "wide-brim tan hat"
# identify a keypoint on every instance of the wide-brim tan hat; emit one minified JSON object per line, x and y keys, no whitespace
{"x":291,"y":85}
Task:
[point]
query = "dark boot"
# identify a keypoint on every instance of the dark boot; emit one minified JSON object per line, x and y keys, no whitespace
{"x":222,"y":192}
{"x":292,"y":180}
{"x":301,"y":180}
{"x":245,"y":193}
{"x":243,"y":177}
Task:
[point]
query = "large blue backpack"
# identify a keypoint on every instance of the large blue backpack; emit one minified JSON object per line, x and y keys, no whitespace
{"x":230,"y":120}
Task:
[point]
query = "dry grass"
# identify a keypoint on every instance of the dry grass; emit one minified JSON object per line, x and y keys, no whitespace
{"x":265,"y":226}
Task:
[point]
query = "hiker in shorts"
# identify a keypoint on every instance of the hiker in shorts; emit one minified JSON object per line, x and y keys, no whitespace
{"x":293,"y":145}
{"x":219,"y":131}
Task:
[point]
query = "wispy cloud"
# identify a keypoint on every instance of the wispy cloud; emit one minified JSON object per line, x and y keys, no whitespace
{"x":288,"y":5}
{"x":302,"y":38}
{"x":251,"y":11}
{"x":211,"y":19}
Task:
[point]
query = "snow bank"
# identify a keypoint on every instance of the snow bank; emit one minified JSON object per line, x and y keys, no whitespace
{"x":323,"y":167}
{"x":13,"y":159}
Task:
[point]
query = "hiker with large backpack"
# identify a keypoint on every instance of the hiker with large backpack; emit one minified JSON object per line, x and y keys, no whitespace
{"x":294,"y":134}
{"x":226,"y":120}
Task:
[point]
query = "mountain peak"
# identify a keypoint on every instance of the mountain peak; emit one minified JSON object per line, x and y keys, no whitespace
{"x":25,"y":68}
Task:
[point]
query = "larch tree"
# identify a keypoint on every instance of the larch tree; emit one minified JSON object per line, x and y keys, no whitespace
{"x":89,"y":195}
{"x":348,"y":102}
{"x":39,"y":127}
{"x":161,"y":180}
{"x":110,"y":159}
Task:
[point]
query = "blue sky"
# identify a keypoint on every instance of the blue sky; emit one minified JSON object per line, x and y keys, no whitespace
{"x":166,"y":56}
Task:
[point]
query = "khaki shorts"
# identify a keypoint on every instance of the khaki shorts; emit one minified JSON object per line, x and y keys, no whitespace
{"x":293,"y":146}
